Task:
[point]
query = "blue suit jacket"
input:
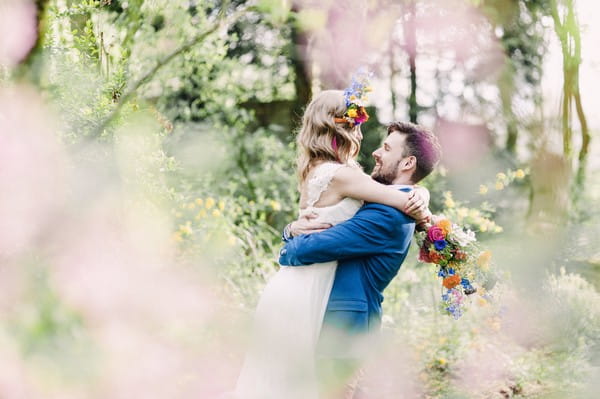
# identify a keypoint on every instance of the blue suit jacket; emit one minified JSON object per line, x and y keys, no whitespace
{"x":370,"y":248}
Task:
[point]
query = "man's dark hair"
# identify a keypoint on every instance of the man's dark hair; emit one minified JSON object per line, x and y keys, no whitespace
{"x":422,"y":144}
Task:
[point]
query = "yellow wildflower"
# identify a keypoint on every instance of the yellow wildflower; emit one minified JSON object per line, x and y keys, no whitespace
{"x":177,"y":237}
{"x":201,"y":214}
{"x":275,"y":205}
{"x":216,"y":213}
{"x":191,"y":205}
{"x":449,"y":201}
{"x":209,"y":203}
{"x":231,"y":240}
{"x":483,"y":189}
{"x":186,"y":228}
{"x":498,"y":229}
{"x":222,"y":205}
{"x":199,"y":201}
{"x":484,"y":258}
{"x":481,"y":301}
{"x":501,"y":176}
{"x":499,"y":185}
{"x":442,"y":361}
{"x":462,"y":212}
{"x":519,"y":174}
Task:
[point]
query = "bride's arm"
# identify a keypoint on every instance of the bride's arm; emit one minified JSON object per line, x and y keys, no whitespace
{"x":353,"y":183}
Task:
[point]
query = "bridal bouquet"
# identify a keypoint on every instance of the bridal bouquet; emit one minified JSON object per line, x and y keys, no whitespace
{"x":462,"y":265}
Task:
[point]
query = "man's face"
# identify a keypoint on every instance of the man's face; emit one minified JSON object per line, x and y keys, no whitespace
{"x":388,"y":158}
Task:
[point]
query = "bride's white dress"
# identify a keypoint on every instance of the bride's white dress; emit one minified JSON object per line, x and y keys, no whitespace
{"x":281,"y":360}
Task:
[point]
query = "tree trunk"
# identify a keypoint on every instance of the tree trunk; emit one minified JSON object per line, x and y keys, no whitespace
{"x":393,"y":75}
{"x":507,"y":88}
{"x":411,"y":51}
{"x":300,"y":66}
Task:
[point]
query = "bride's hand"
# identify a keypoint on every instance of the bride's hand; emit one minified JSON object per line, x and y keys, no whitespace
{"x":307,"y":225}
{"x":418,"y":202}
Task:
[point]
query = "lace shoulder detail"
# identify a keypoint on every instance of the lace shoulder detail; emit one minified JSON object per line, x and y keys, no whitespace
{"x":320,"y":180}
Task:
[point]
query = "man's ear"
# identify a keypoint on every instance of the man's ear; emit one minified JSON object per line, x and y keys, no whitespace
{"x":409,"y":162}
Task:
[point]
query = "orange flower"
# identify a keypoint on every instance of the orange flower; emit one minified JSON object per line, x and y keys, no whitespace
{"x":460,"y":255}
{"x":445,"y":225}
{"x":451,"y":281}
{"x":434,"y":256}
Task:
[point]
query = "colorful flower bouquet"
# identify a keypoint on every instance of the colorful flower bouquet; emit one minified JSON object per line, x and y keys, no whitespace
{"x":462,"y":265}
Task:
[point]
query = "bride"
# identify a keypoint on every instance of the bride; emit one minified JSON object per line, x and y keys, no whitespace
{"x":280,"y":362}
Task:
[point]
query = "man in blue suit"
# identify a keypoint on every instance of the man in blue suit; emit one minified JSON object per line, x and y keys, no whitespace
{"x":369,"y":248}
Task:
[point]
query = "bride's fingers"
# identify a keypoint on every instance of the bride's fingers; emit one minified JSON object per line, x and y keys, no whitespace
{"x":413,"y":205}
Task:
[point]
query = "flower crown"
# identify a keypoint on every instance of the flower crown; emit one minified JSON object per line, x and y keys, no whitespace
{"x":356,"y":97}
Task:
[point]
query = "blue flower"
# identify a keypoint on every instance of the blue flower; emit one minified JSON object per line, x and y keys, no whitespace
{"x":440,"y":244}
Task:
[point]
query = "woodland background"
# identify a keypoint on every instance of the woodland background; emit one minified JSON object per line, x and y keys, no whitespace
{"x":147,"y":167}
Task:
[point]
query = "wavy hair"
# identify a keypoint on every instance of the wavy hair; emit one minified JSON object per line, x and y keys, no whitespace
{"x":319,"y":129}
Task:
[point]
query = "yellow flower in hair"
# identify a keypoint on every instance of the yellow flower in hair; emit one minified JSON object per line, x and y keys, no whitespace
{"x":352,"y":98}
{"x":352,"y":113}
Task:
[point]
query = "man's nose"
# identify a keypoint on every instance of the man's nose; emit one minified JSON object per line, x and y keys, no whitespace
{"x":375,"y":154}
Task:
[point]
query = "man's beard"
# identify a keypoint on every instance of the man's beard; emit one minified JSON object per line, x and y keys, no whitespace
{"x":386,"y":177}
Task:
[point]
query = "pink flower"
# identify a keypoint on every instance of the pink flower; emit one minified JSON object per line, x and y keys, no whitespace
{"x":435,"y":233}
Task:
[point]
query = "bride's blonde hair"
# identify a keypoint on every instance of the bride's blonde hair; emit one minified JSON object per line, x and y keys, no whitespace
{"x":319,"y":129}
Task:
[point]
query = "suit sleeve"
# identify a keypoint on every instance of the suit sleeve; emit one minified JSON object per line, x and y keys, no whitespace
{"x":369,"y":232}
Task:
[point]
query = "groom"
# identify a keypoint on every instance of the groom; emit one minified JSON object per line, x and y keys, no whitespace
{"x":370,"y":248}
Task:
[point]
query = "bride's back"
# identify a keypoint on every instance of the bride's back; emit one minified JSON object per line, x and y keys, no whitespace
{"x":317,"y":196}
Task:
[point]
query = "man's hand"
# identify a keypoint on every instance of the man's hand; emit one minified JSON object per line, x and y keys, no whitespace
{"x":307,"y":225}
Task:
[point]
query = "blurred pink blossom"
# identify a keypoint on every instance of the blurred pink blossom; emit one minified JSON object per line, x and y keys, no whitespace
{"x":31,"y":169}
{"x":18,"y":30}
{"x":463,"y":144}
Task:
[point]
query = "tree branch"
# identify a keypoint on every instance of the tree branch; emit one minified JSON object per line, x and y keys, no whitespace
{"x":223,"y":21}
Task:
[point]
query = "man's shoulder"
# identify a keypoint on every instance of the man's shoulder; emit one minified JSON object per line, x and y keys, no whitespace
{"x":385,"y":211}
